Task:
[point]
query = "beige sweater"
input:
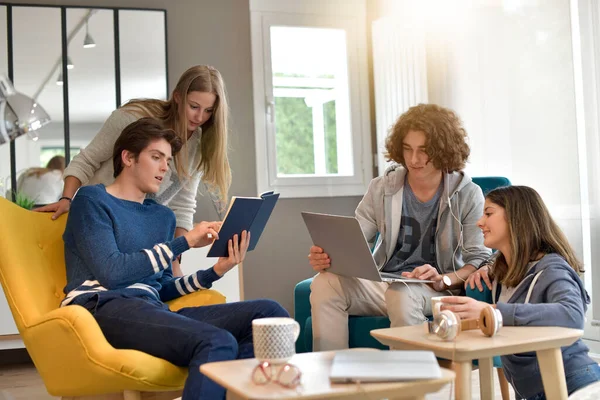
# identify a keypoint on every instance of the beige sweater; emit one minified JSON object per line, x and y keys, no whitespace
{"x":94,"y":165}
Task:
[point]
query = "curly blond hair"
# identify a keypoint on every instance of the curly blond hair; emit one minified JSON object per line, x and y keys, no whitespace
{"x":446,"y":143}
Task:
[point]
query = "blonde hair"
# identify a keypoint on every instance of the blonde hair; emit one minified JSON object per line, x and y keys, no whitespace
{"x":532,"y":231}
{"x":214,"y":163}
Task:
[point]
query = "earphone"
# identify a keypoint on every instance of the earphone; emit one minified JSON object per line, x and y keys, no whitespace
{"x":460,"y":238}
{"x":448,"y":325}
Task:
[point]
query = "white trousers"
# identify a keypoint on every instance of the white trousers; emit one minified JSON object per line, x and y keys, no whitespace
{"x":334,"y":297}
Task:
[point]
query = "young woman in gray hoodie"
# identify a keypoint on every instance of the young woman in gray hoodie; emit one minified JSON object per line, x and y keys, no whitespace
{"x":534,"y":282}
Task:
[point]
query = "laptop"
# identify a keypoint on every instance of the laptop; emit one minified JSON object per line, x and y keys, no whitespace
{"x":383,"y":366}
{"x":343,"y":240}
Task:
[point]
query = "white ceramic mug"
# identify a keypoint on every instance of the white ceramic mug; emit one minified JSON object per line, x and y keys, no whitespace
{"x":436,"y":304}
{"x":275,"y":339}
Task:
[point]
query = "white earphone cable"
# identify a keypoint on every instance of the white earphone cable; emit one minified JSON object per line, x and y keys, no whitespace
{"x":460,"y":237}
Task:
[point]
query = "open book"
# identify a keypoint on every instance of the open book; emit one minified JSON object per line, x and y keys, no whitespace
{"x":244,"y":213}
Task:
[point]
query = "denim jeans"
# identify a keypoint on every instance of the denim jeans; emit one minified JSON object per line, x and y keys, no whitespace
{"x":577,"y":379}
{"x":189,"y":337}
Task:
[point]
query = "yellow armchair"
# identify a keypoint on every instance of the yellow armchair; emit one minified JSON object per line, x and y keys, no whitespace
{"x":66,"y":344}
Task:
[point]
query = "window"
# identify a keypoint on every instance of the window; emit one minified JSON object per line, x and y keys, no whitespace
{"x":311,"y":100}
{"x":46,"y":153}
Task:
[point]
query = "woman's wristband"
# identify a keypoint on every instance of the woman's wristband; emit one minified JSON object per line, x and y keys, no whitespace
{"x":66,"y":198}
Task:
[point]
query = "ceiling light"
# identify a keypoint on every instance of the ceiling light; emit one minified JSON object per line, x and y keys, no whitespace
{"x":70,"y":64}
{"x":88,"y":42}
{"x":59,"y":81}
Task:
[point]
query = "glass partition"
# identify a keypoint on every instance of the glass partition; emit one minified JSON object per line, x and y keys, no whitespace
{"x":142,"y":55}
{"x":37,"y":65}
{"x":92,"y":83}
{"x":4,"y":149}
{"x":99,"y":80}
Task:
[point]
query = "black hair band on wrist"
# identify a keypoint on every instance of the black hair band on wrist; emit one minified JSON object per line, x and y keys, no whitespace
{"x":65,"y":198}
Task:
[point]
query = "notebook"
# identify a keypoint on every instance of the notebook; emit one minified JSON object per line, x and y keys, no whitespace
{"x":383,"y":366}
{"x":244,"y":213}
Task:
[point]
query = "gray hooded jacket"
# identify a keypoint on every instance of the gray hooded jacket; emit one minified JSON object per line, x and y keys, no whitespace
{"x":380,"y":210}
{"x":557,"y":298}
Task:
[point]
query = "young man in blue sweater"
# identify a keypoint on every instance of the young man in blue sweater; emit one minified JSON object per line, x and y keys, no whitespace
{"x":118,"y":250}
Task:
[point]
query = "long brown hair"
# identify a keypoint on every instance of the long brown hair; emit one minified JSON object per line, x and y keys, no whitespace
{"x":532,"y":231}
{"x":214,"y":164}
{"x":56,"y":163}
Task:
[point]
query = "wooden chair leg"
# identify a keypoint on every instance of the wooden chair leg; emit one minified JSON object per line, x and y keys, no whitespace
{"x":504,"y":388}
{"x":125,"y":395}
{"x":132,"y":395}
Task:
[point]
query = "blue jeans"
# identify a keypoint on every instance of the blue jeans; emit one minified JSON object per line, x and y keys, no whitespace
{"x":577,"y":379}
{"x":188,"y":338}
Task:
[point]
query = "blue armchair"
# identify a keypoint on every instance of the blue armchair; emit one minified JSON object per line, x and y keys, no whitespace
{"x":360,"y":327}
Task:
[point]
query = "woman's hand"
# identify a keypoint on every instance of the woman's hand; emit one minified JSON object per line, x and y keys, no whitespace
{"x":475,"y":279}
{"x":465,"y":307}
{"x":58,"y":208}
{"x":237,"y":253}
{"x":203,"y":234}
{"x":318,"y":259}
{"x":427,"y":272}
{"x":63,"y":205}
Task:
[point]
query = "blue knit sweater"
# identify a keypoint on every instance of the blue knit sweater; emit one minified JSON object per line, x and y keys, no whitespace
{"x":116,"y":247}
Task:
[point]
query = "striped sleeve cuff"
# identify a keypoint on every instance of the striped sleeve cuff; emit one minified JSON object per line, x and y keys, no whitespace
{"x":199,"y":280}
{"x":178,"y":246}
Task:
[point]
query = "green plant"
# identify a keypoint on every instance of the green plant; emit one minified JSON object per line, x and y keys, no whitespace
{"x":24,"y":201}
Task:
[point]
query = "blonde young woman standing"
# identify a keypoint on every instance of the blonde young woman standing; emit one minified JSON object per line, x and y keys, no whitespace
{"x":197,"y":112}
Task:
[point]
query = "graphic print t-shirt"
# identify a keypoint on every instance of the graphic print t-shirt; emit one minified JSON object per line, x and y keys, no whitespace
{"x":416,"y":240}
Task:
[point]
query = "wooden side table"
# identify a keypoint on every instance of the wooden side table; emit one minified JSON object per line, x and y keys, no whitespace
{"x":546,"y":341}
{"x":235,"y":376}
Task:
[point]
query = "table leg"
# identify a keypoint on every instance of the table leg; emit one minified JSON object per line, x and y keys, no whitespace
{"x":486,"y":378}
{"x":553,"y":374}
{"x":462,"y":389}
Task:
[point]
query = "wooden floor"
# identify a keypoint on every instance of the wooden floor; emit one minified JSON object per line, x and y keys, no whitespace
{"x":22,"y":382}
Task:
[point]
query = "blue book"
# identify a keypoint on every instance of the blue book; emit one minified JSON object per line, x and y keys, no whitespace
{"x":244,"y":214}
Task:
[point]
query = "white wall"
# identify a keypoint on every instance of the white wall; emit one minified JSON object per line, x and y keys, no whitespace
{"x":229,"y":285}
{"x":508,"y":69}
{"x":509,"y":75}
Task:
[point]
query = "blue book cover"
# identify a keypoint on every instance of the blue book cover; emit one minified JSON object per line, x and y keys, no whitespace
{"x":245,"y":213}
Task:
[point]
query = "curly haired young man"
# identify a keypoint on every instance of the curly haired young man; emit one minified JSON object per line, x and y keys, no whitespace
{"x":421,"y":218}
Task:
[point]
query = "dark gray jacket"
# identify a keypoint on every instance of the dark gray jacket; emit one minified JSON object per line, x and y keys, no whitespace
{"x":558,"y":298}
{"x":380,"y":210}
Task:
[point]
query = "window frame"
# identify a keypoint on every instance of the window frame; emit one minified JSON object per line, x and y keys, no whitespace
{"x":352,"y":19}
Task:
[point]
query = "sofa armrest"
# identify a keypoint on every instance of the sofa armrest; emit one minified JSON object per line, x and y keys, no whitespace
{"x":302,"y":310}
{"x":485,"y":296}
{"x":195,"y":299}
